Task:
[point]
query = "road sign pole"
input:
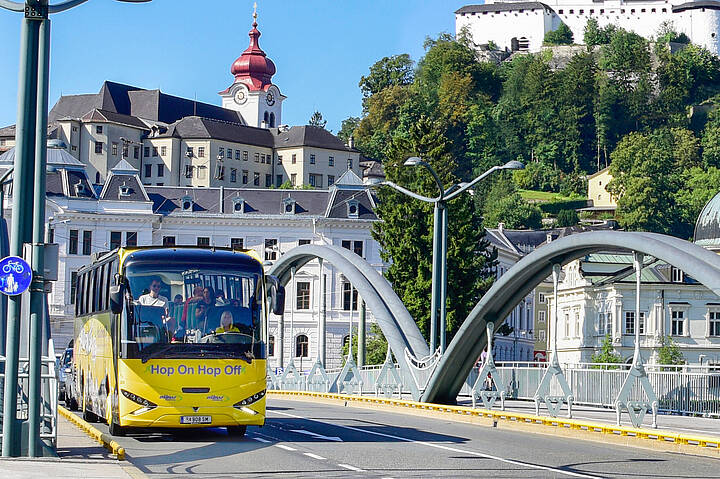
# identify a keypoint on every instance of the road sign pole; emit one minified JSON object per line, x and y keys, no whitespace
{"x":37,"y":290}
{"x":21,"y":220}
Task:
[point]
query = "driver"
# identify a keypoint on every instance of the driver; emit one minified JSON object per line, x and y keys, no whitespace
{"x":154,"y":298}
{"x":226,"y":324}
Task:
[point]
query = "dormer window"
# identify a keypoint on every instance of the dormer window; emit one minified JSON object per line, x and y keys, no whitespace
{"x":187,"y":203}
{"x":353,"y":208}
{"x":220,"y":173}
{"x":124,"y":190}
{"x":188,"y":171}
{"x":238,"y":205}
{"x":289,"y":206}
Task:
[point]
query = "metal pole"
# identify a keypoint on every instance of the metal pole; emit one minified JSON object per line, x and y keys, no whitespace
{"x":556,"y":279}
{"x":37,"y":290}
{"x":362,"y":333}
{"x":280,"y":340}
{"x":21,"y":219}
{"x":443,"y":276}
{"x":638,"y":257}
{"x":435,"y":277}
{"x":292,"y":317}
{"x":352,"y":310}
{"x":323,"y":316}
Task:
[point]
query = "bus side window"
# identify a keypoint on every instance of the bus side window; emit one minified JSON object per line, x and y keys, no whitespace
{"x":102,"y":302}
{"x":81,"y":295}
{"x":89,"y":292}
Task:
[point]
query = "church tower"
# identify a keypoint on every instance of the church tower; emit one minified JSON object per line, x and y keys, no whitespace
{"x":252,"y":93}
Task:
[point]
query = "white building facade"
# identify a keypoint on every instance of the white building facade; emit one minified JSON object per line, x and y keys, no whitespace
{"x":519,"y":25}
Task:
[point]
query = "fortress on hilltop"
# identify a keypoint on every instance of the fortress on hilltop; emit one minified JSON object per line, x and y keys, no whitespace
{"x":520,"y":25}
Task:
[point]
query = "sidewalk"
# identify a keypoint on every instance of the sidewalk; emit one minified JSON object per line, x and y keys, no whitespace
{"x":684,"y":424}
{"x":80,"y":457}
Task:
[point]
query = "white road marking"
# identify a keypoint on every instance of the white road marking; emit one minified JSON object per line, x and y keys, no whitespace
{"x":262,"y":440}
{"x":452,"y":449}
{"x":352,"y":468}
{"x":315,"y":456}
{"x":287,"y":448}
{"x":316,"y":435}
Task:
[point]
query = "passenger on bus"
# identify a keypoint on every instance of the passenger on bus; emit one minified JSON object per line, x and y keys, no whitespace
{"x":220,"y":298}
{"x":226,"y":324}
{"x":197,"y":296}
{"x":208,"y":297}
{"x":154,"y":298}
{"x":200,"y":316}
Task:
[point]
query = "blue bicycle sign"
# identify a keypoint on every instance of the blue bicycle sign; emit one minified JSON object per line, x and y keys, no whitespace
{"x":15,"y":275}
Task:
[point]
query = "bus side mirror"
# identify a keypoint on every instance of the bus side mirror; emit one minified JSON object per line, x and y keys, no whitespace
{"x":276,"y":295}
{"x":116,"y":298}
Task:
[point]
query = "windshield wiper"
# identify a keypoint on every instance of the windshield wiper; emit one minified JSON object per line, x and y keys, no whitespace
{"x":245,"y":356}
{"x":149,"y":353}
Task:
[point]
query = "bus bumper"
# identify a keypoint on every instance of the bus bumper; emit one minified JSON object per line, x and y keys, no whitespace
{"x":171,"y":417}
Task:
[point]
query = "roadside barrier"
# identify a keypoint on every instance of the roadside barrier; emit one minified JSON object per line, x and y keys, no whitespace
{"x":105,"y":439}
{"x":650,"y":438}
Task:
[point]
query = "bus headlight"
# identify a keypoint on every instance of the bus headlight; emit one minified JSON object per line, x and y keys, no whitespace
{"x":249,"y":400}
{"x":139,"y":400}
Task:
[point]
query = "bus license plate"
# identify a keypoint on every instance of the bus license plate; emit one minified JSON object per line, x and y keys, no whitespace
{"x":195,"y":419}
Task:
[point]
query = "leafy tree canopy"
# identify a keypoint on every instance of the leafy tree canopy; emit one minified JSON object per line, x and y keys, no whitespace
{"x":317,"y":120}
{"x":562,"y":36}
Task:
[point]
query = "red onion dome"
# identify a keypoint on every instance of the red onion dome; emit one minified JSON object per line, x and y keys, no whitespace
{"x":253,"y":68}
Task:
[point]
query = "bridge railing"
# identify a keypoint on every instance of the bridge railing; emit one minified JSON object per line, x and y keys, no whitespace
{"x":680,"y":390}
{"x":49,"y":395}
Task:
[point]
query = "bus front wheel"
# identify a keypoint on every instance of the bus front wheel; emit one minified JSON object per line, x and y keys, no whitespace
{"x":236,"y":431}
{"x":116,"y":429}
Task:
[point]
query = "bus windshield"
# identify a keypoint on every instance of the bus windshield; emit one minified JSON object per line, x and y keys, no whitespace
{"x":176,"y":311}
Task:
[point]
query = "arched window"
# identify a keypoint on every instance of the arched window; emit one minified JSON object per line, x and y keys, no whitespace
{"x":266,"y":118}
{"x":97,"y":177}
{"x":271,"y":346}
{"x":272,"y":120}
{"x":301,"y":346}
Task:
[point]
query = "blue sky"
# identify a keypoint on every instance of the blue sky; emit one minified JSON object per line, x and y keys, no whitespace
{"x":185,"y":47}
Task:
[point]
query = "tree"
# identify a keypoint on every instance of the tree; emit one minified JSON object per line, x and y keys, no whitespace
{"x":562,"y":36}
{"x":347,"y":128}
{"x":666,"y":33}
{"x":567,"y":218}
{"x":669,"y":353}
{"x":505,"y":205}
{"x":606,"y":354}
{"x":389,"y":71}
{"x":317,"y":120}
{"x":594,"y":35}
{"x":376,"y":345}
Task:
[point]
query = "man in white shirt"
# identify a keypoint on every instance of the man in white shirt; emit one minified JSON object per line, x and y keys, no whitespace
{"x":153,"y":298}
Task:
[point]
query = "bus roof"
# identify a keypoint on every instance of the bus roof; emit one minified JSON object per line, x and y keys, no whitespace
{"x":191,"y":255}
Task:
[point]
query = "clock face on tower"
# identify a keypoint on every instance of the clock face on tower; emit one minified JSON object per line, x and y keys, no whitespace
{"x":240,"y":96}
{"x":270,"y":98}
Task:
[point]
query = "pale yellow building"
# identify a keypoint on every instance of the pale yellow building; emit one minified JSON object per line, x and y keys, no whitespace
{"x":601,"y":199}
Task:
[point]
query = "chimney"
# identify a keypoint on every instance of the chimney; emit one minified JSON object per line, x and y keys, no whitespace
{"x":351,"y":142}
{"x":501,"y":227}
{"x":222,"y":199}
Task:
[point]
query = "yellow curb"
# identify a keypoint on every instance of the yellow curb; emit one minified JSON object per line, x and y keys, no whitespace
{"x":105,"y":439}
{"x":647,"y":438}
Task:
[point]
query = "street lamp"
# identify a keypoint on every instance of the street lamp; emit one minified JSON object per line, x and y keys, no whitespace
{"x":439,"y":268}
{"x":28,"y":210}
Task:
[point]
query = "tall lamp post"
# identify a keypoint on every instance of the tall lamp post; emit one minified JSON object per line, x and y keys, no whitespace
{"x":28,"y":223}
{"x":439,"y":270}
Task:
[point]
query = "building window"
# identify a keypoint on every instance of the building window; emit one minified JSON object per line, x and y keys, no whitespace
{"x":677,"y":275}
{"x":245,"y":155}
{"x":221,"y":153}
{"x":233,"y":175}
{"x":262,"y":158}
{"x":203,"y":241}
{"x":578,"y":324}
{"x":314,"y":180}
{"x":220,"y":173}
{"x":98,"y":129}
{"x":125,"y":151}
{"x":256,"y":179}
{"x":294,"y":159}
{"x":303,"y":295}
{"x":677,"y":322}
{"x":148,"y":171}
{"x":354,"y":246}
{"x":155,"y":151}
{"x":541,"y":298}
{"x":293,"y":179}
{"x":237,"y":154}
{"x":163,"y":150}
{"x":331,"y":180}
{"x":189,"y":152}
{"x":229,"y":154}
{"x":279,"y":162}
{"x":714,"y":323}
{"x":146,"y":151}
{"x":312,"y":159}
{"x":245,"y":177}
{"x":115,"y":239}
{"x":301,"y":346}
{"x":541,"y":335}
{"x":73,"y":286}
{"x":278,"y":180}
{"x":331,"y":161}
{"x":349,"y":163}
{"x":87,"y":243}
{"x":161,"y":170}
{"x":268,"y":181}
{"x":303,"y":242}
{"x":257,"y":157}
{"x":51,"y":235}
{"x":236,"y":243}
{"x":73,"y":242}
{"x":168,"y":241}
{"x":131,"y":239}
{"x":271,"y":346}
{"x":542,"y":316}
{"x":201,"y":172}
{"x":271,"y":249}
{"x":98,"y":147}
{"x":567,"y":325}
{"x":350,"y":297}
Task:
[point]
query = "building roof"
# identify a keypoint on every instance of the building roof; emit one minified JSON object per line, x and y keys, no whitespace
{"x":196,"y":127}
{"x":97,"y":115}
{"x":707,"y":4}
{"x":253,"y":68}
{"x":308,"y":135}
{"x":56,"y":157}
{"x":707,"y":226}
{"x":501,"y":7}
{"x":522,"y":242}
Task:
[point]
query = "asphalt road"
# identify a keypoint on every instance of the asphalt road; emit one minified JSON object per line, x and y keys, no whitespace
{"x":306,"y":439}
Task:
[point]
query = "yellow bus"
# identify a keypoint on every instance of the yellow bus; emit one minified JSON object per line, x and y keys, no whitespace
{"x":173,"y":338}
